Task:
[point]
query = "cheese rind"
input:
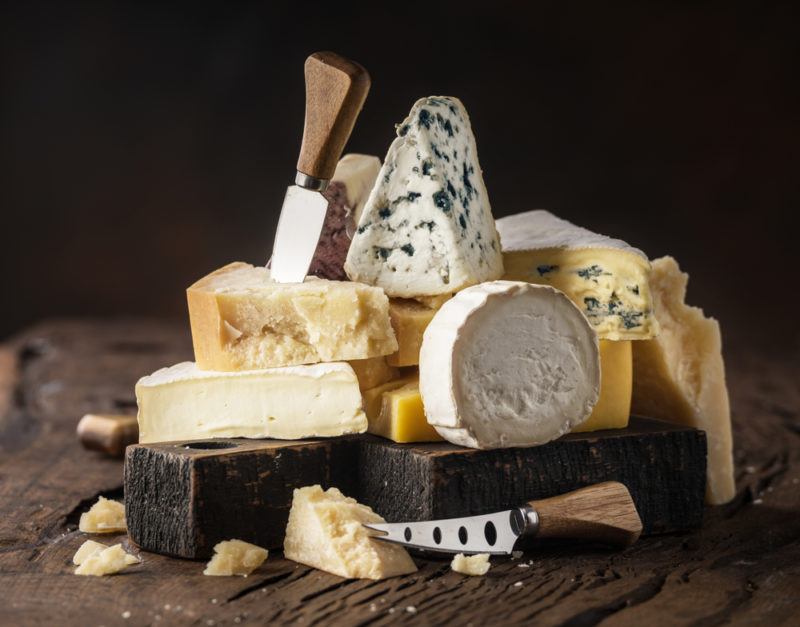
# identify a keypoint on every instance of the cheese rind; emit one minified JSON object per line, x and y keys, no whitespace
{"x":508,"y":364}
{"x":106,"y":561}
{"x":613,"y":408}
{"x":680,"y":375}
{"x":605,"y":277}
{"x":235,"y":557}
{"x":105,"y":516}
{"x":427,"y":228}
{"x":242,"y":320}
{"x":326,"y":531}
{"x":474,"y":565}
{"x":184,"y":403}
{"x":409,"y":319}
{"x":399,"y":414}
{"x":358,"y":174}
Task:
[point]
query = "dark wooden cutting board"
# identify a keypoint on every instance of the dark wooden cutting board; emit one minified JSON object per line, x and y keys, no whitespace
{"x":181,"y":498}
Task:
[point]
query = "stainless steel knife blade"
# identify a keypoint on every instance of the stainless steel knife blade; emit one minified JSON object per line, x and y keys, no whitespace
{"x":495,"y":534}
{"x":296,"y":239}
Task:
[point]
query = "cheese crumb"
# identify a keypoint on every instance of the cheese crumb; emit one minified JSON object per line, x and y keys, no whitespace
{"x":411,"y":609}
{"x":235,"y":557}
{"x":472,"y":565}
{"x":126,"y":614}
{"x":515,"y":555}
{"x":518,"y":584}
{"x":105,"y":516}
{"x":98,"y":559}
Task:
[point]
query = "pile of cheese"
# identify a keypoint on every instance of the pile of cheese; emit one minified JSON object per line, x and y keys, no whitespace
{"x":428,"y":321}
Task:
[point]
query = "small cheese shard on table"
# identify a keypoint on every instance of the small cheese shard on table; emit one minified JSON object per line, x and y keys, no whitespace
{"x":183,"y":402}
{"x":613,"y":408}
{"x":326,"y":531}
{"x":606,"y":278}
{"x":507,"y":364}
{"x":395,"y":411}
{"x":373,"y":372}
{"x":427,"y":228}
{"x":680,"y":375}
{"x":98,"y":559}
{"x":346,"y":194}
{"x":105,"y":516}
{"x":409,"y":319}
{"x":235,"y":557}
{"x":474,"y":565}
{"x":242,"y":320}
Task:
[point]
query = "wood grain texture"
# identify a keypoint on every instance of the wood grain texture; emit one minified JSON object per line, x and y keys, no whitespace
{"x":604,"y":512}
{"x":741,"y":568}
{"x":336,"y":89}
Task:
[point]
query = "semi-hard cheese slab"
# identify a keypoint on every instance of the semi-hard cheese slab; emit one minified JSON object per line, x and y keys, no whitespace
{"x":182,"y":498}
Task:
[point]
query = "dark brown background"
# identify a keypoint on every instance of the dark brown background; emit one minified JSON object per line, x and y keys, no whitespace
{"x":144,"y":144}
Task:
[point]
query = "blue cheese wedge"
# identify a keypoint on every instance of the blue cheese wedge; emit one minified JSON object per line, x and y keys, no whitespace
{"x":605,"y":277}
{"x":427,"y":227}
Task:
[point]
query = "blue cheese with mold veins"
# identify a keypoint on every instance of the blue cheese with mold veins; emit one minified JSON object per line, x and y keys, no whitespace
{"x":605,"y":277}
{"x":427,"y":228}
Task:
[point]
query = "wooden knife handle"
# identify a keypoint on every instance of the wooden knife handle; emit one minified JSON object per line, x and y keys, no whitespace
{"x":335,"y":92}
{"x":603,"y":512}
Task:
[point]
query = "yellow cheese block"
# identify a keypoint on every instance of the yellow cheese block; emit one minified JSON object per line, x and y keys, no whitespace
{"x":409,"y":319}
{"x":243,"y":320}
{"x":613,"y":408}
{"x":373,"y":372}
{"x":394,"y":410}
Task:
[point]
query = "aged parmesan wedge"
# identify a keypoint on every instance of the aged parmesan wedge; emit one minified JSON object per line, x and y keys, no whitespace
{"x":105,"y":516}
{"x":242,"y":320}
{"x":680,"y":375}
{"x":183,"y":402}
{"x":606,"y":278}
{"x":474,"y":565}
{"x":508,"y":364}
{"x":326,"y":531}
{"x":427,"y":228}
{"x":235,"y":557}
{"x":102,"y":560}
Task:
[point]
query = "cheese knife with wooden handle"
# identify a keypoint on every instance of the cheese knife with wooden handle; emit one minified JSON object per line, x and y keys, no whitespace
{"x":335,"y":92}
{"x":602,"y":513}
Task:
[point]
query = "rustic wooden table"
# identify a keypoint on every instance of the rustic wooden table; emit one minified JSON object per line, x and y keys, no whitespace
{"x":742,"y":567}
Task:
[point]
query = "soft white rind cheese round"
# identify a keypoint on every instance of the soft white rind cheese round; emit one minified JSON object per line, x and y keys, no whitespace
{"x":508,"y":364}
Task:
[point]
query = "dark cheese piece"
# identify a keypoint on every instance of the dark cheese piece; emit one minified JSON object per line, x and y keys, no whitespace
{"x":334,"y":241}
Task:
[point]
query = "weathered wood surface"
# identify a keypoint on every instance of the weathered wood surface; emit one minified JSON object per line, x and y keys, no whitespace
{"x":743,"y":567}
{"x":181,"y":498}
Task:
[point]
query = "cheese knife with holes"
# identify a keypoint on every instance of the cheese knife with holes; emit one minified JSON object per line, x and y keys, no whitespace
{"x":602,"y":513}
{"x":335,"y":92}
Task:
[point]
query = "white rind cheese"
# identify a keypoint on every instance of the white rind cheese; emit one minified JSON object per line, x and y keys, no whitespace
{"x":605,"y":277}
{"x":185,"y":403}
{"x":357,"y":173}
{"x":680,"y":375}
{"x":326,"y":531}
{"x":508,"y":364}
{"x":427,"y":227}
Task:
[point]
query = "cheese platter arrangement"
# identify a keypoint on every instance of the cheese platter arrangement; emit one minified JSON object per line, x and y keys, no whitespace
{"x":408,"y":371}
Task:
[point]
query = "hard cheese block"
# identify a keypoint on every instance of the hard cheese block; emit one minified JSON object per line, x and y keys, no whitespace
{"x":613,"y":408}
{"x":373,"y":372}
{"x":346,"y":193}
{"x":395,"y":411}
{"x":508,"y":364}
{"x":680,"y":375}
{"x":326,"y":531}
{"x":427,"y":227}
{"x":605,"y":277}
{"x":242,"y":320}
{"x":181,"y":500}
{"x":409,"y":319}
{"x":183,"y":402}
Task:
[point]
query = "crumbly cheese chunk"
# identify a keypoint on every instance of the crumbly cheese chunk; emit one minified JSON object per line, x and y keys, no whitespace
{"x":242,"y":320}
{"x":235,"y":557}
{"x":183,"y":402}
{"x":606,"y":278}
{"x":475,"y":565}
{"x":680,"y":375}
{"x":326,"y":531}
{"x":427,"y":228}
{"x":507,"y":364}
{"x":98,"y":560}
{"x":105,"y":516}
